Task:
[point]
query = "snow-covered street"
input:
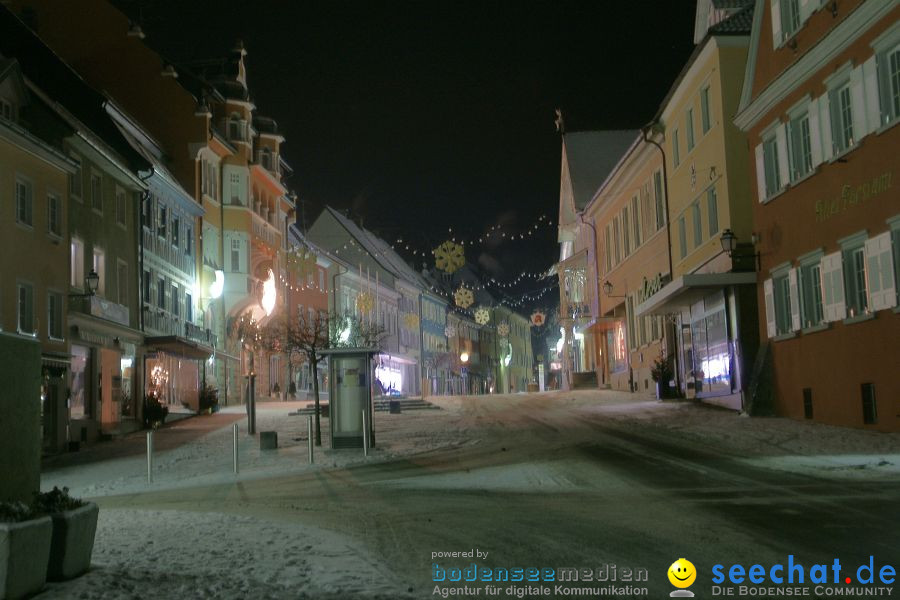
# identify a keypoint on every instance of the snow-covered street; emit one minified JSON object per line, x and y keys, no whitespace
{"x":577,"y":479}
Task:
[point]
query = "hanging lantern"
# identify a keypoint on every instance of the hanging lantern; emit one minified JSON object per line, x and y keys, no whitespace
{"x":449,"y":257}
{"x":482,"y":316}
{"x":464,"y":297}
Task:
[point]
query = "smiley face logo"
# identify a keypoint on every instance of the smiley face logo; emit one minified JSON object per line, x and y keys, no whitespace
{"x":682,"y":573}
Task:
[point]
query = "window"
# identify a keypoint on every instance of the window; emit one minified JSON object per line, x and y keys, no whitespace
{"x":147,"y":207}
{"x":162,"y":221}
{"x":235,"y":255}
{"x":188,"y":308}
{"x":188,"y":240}
{"x":635,"y":221}
{"x":811,"y":311}
{"x":25,"y":308}
{"x":869,"y":407}
{"x":146,"y":287}
{"x":122,"y":282}
{"x":698,"y":224}
{"x":790,"y":19}
{"x":799,"y":146}
{"x":658,"y":196}
{"x":712,"y":211}
{"x":626,"y":234}
{"x":176,"y":229}
{"x":608,"y":238}
{"x":7,"y":110}
{"x":54,"y":215}
{"x":616,"y":244}
{"x":841,"y":118}
{"x":161,"y":293}
{"x":121,"y":207}
{"x":888,"y":65}
{"x":235,"y":180}
{"x":266,"y":159}
{"x":75,"y":180}
{"x":682,"y":237}
{"x":76,"y":265}
{"x":676,"y":155}
{"x":770,"y":155}
{"x":689,"y":128}
{"x":176,"y":301}
{"x":24,"y":203}
{"x":807,"y":403}
{"x":96,"y":192}
{"x":855,"y":280}
{"x":235,"y":128}
{"x":100,"y":268}
{"x":54,"y":315}
{"x":705,"y":123}
{"x":782,"y":305}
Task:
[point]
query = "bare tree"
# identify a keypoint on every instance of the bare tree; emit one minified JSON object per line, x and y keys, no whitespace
{"x":307,"y":336}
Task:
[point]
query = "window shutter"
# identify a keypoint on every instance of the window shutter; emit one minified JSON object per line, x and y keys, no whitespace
{"x":858,"y":104}
{"x":769,"y":296}
{"x":880,"y":267}
{"x":776,"y":23}
{"x":825,"y":125}
{"x":870,"y":81}
{"x":815,"y":138}
{"x":806,"y":8}
{"x":784,"y":173}
{"x":834,"y":307}
{"x":795,"y":299}
{"x":760,"y":173}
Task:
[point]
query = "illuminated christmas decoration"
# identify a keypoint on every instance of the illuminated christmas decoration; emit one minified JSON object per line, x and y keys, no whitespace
{"x":411,"y":321}
{"x":216,"y":287}
{"x":538,"y":318}
{"x":365,"y":302}
{"x":482,"y":316}
{"x":503,"y":329}
{"x":464,"y":297}
{"x":450,"y":331}
{"x":449,"y":257}
{"x":269,"y":294}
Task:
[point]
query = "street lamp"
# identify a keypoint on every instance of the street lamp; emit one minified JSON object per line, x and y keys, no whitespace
{"x":730,"y":247}
{"x":91,"y":284}
{"x":464,"y":357}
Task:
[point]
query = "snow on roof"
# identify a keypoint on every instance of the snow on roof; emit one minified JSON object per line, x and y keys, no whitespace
{"x":591,"y":156}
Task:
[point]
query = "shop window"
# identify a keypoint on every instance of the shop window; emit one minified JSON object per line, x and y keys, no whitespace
{"x":807,"y":403}
{"x":869,"y":406}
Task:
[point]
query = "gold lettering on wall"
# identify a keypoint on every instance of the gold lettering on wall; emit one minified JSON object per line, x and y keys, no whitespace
{"x":852,"y":196}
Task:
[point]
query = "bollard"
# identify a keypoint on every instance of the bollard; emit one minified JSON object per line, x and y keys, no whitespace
{"x":234,"y":458}
{"x":310,"y":437}
{"x":149,"y":457}
{"x":365,"y":434}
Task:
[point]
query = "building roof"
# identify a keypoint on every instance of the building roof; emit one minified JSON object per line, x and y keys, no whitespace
{"x":61,"y":84}
{"x":591,"y":155}
{"x":740,"y":23}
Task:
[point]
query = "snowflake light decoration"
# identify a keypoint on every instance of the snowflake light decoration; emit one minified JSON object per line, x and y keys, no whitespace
{"x":482,"y":316}
{"x":449,"y":257}
{"x":538,"y":318}
{"x":411,"y":321}
{"x":503,"y":329}
{"x":450,"y":331}
{"x":365,"y":302}
{"x":464,"y":297}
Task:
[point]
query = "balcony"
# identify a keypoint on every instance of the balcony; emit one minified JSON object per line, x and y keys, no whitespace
{"x":199,"y":334}
{"x":105,"y":309}
{"x":174,"y":255}
{"x":161,"y":323}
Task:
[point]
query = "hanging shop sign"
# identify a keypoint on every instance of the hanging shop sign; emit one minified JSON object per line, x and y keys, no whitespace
{"x":649,"y":287}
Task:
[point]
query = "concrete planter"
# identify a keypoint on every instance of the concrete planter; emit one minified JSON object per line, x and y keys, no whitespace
{"x":24,"y":548}
{"x":73,"y":542}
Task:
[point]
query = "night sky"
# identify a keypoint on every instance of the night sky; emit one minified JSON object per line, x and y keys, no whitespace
{"x":424,"y":116}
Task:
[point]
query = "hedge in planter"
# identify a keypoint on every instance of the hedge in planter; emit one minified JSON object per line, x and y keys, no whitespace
{"x":24,"y":548}
{"x":74,"y":528}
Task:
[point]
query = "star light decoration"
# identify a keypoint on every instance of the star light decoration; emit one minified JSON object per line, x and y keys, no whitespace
{"x":365,"y":302}
{"x":464,"y":297}
{"x":450,"y":331}
{"x":538,"y":318}
{"x":482,"y":316}
{"x":503,"y":329}
{"x":449,"y":257}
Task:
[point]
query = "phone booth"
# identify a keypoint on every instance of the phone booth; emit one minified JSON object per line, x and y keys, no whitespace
{"x":350,"y":396}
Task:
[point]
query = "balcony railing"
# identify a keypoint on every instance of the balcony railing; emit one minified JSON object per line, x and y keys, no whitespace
{"x":174,"y":255}
{"x":160,"y":322}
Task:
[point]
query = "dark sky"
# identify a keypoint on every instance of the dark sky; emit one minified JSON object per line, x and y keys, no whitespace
{"x":421,"y":116}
